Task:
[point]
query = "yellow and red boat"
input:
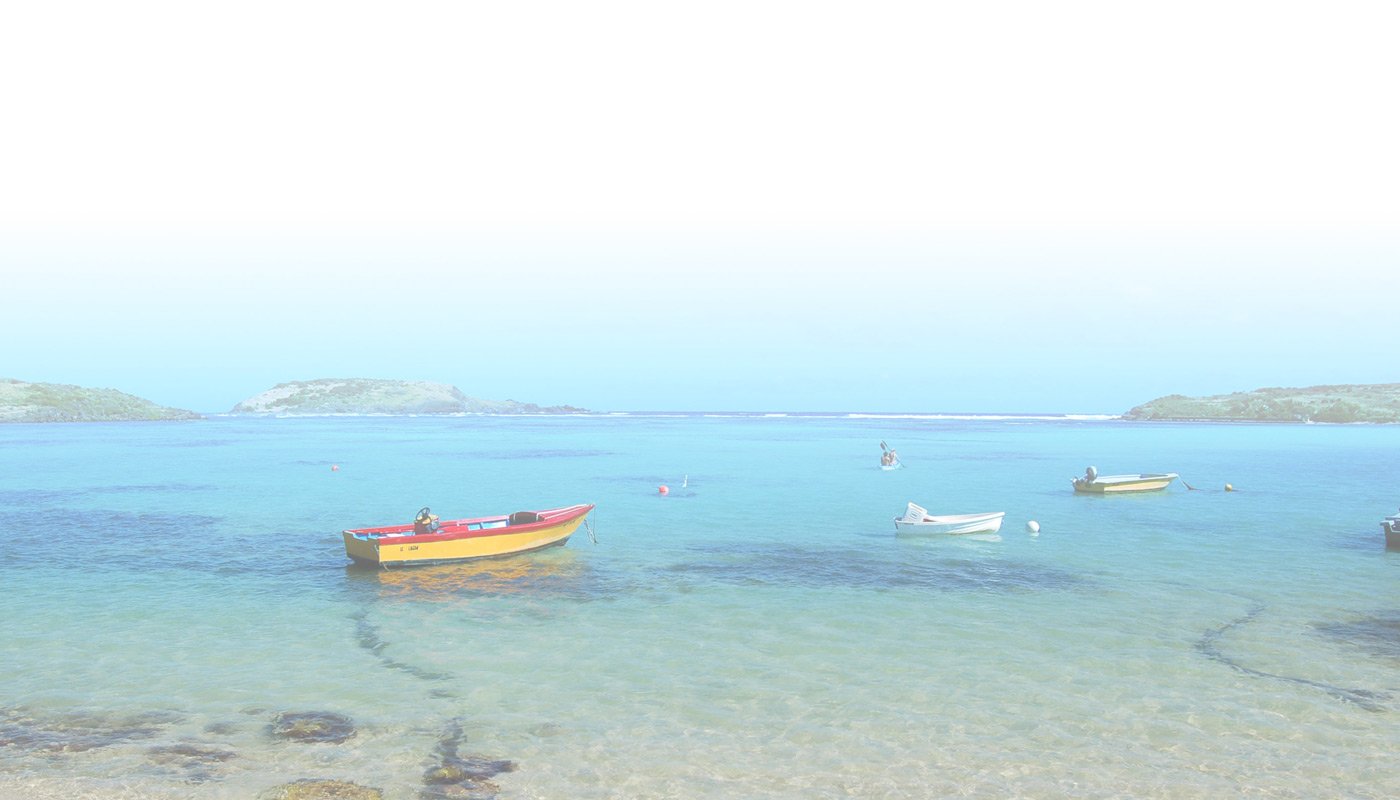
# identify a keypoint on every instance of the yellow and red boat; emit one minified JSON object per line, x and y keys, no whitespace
{"x":430,"y":541}
{"x":1091,"y":482}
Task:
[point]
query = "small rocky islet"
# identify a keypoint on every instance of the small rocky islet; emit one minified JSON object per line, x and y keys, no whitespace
{"x":1338,"y":404}
{"x":24,"y":401}
{"x":377,"y":396}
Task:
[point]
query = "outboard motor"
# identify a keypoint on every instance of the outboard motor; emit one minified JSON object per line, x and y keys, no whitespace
{"x":426,"y":521}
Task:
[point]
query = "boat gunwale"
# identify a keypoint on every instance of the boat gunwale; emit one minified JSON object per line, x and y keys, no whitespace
{"x":945,"y":519}
{"x":1142,"y":477}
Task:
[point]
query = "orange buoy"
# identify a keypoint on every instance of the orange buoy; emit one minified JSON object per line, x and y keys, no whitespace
{"x":663,"y":489}
{"x":335,"y":468}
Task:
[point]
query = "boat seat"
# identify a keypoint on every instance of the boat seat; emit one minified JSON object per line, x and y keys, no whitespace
{"x":524,"y":518}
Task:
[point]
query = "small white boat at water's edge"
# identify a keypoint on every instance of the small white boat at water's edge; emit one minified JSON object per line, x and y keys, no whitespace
{"x":917,"y":521}
{"x":1391,"y":526}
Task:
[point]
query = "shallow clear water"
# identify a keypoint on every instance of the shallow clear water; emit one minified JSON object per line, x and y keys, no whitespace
{"x":761,"y":633}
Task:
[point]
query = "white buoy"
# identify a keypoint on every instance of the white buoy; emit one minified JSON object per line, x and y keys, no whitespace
{"x":1033,"y":527}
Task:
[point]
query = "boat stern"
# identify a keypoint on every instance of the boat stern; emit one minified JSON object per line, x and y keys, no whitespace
{"x":361,"y":548}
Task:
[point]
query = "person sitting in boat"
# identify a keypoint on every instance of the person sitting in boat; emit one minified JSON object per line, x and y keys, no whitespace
{"x":887,"y":458}
{"x":426,"y":521}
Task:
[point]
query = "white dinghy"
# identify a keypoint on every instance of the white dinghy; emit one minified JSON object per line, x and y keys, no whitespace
{"x":917,"y":522}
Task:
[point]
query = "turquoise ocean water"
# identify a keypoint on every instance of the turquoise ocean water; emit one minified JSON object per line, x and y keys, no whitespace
{"x":169,"y":589}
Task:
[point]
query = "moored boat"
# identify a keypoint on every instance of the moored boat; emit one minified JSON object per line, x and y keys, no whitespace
{"x":1092,"y":482}
{"x":1391,"y":526}
{"x":917,"y":521}
{"x":430,"y":541}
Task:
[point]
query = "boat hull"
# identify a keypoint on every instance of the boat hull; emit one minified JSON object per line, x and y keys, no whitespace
{"x":1122,"y":484}
{"x":1392,"y":534}
{"x":463,"y":540}
{"x":951,"y":525}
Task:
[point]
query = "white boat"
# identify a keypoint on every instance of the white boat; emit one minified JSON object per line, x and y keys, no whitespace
{"x":1391,"y":526}
{"x":891,"y":467}
{"x":917,"y":521}
{"x":1094,"y":483}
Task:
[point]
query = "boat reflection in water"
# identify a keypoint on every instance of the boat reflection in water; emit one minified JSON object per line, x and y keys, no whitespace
{"x":561,"y":572}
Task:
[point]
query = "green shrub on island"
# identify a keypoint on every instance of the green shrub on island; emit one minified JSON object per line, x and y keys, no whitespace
{"x":1374,"y":403}
{"x":21,"y":401}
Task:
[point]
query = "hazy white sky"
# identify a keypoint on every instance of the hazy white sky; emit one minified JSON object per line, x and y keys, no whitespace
{"x":756,"y":205}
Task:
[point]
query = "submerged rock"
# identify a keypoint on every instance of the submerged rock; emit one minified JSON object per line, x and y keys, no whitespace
{"x":192,"y":763}
{"x":458,"y":776}
{"x":467,"y":790}
{"x":482,"y":767}
{"x":313,"y":726}
{"x":75,"y":732}
{"x":466,"y":770}
{"x":315,"y":789}
{"x":1377,"y":634}
{"x":187,"y":754}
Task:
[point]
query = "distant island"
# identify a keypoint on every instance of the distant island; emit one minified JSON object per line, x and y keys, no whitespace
{"x":21,"y":401}
{"x":374,"y":396}
{"x":1379,"y":402}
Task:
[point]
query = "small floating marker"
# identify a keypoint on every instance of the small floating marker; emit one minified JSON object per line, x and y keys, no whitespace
{"x":1229,"y":488}
{"x":335,"y":468}
{"x":663,"y":489}
{"x":1033,"y":527}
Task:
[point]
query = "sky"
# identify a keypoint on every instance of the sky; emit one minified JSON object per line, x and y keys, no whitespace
{"x":883,"y":206}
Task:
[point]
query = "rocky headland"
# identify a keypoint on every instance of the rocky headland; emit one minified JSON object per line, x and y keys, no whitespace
{"x":375,"y":396}
{"x":1376,"y":403}
{"x":21,"y":401}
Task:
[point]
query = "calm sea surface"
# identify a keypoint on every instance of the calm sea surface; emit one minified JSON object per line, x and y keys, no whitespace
{"x":170,"y":589}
